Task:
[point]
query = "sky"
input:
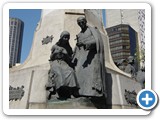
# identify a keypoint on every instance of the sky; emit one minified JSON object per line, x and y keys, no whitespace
{"x":104,"y":17}
{"x":30,"y":17}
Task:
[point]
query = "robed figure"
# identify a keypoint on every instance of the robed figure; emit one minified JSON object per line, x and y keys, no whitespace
{"x":62,"y":79}
{"x":89,"y":60}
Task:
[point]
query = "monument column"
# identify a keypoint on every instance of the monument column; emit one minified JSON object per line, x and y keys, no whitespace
{"x":51,"y":24}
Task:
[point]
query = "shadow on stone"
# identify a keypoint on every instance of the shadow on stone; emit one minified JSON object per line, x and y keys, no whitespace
{"x":109,"y":90}
{"x":99,"y":102}
{"x":102,"y":102}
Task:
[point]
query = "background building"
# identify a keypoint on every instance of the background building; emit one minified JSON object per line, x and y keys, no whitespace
{"x":15,"y":40}
{"x":133,"y":17}
{"x":122,"y":39}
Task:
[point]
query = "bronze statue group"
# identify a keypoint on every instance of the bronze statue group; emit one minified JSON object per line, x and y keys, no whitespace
{"x":81,"y":73}
{"x":78,"y":73}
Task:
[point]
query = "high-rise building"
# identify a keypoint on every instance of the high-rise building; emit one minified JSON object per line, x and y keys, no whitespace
{"x":133,"y":17}
{"x":122,"y":39}
{"x":15,"y":40}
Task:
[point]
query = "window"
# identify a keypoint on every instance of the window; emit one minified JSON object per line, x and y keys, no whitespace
{"x":125,"y":35}
{"x":114,"y":36}
{"x":114,"y":29}
{"x":115,"y":42}
{"x":119,"y":29}
{"x":15,"y":23}
{"x":12,"y":22}
{"x":125,"y":28}
{"x":116,"y":48}
{"x":124,"y":47}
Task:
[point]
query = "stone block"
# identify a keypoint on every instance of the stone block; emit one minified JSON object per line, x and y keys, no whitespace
{"x":38,"y":92}
{"x":37,"y":105}
{"x":76,"y":103}
{"x":17,"y":79}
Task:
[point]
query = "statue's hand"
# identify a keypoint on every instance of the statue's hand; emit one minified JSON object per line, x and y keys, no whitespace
{"x":87,"y":47}
{"x":90,"y":46}
{"x":79,"y":44}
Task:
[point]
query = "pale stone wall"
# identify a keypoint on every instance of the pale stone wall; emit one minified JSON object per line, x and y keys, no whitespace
{"x":116,"y":85}
{"x":38,"y":91}
{"x":17,"y":79}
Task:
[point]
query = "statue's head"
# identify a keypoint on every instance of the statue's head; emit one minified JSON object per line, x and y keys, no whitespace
{"x":82,"y":22}
{"x":130,"y":59}
{"x":65,"y":36}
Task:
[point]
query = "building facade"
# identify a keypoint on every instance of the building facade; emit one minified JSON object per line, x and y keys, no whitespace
{"x":133,"y":17}
{"x":15,"y":40}
{"x":122,"y":40}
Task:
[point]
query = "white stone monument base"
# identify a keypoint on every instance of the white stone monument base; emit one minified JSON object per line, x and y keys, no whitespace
{"x":35,"y":96}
